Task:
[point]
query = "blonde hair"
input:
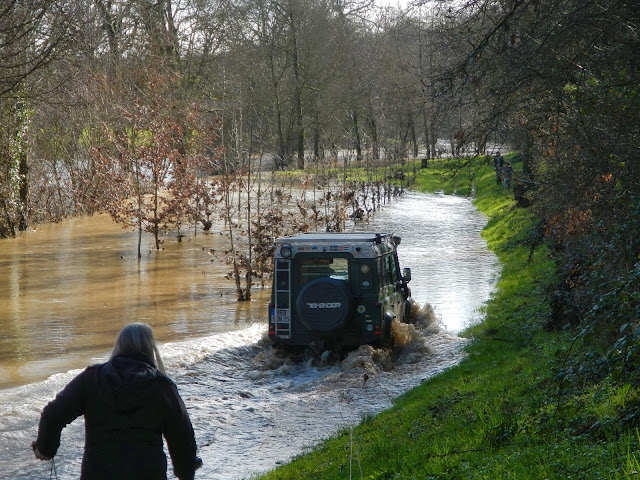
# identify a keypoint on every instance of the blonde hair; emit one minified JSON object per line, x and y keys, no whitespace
{"x":138,"y":338}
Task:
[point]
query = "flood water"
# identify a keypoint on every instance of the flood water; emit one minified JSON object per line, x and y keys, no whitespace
{"x":67,"y":289}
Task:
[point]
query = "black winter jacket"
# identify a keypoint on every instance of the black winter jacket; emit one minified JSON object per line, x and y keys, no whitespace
{"x":128,"y":405}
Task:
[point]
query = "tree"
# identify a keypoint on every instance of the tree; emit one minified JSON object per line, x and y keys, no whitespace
{"x":14,"y":185}
{"x":563,"y":75}
{"x":146,"y":176}
{"x":34,"y":33}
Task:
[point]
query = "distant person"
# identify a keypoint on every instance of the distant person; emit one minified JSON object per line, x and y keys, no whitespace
{"x":129,"y":404}
{"x":498,"y":163}
{"x":507,"y":171}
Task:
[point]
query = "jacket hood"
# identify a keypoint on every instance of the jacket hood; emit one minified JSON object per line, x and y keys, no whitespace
{"x":128,"y":382}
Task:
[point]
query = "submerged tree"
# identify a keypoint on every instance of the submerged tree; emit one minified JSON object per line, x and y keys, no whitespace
{"x":145,"y":177}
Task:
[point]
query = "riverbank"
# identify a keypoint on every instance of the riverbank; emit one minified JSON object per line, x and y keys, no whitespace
{"x":504,"y":412}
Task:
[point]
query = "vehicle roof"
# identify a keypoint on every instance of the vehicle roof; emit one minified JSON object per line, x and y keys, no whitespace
{"x":358,"y":244}
{"x":332,"y":237}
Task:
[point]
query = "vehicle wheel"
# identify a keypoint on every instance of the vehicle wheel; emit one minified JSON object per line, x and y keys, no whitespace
{"x":324,"y":305}
{"x":407,"y":311}
{"x":387,"y":332}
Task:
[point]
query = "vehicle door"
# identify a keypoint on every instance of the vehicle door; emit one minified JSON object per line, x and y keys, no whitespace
{"x":389,"y":279}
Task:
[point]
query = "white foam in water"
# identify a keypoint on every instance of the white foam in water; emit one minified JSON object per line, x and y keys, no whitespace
{"x":20,"y":407}
{"x":180,"y":354}
{"x":175,"y":355}
{"x":252,"y":406}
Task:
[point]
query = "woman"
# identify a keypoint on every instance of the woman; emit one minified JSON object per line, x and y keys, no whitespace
{"x":128,"y":404}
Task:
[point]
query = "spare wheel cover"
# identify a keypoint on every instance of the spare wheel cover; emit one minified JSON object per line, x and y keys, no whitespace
{"x":323,"y":305}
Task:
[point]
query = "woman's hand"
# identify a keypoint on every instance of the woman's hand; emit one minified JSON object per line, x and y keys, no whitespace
{"x":39,"y":455}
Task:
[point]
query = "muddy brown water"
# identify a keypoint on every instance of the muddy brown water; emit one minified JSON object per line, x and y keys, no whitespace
{"x":68,"y":288}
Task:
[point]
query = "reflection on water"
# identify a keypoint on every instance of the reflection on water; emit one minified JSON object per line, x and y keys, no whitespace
{"x":69,"y":288}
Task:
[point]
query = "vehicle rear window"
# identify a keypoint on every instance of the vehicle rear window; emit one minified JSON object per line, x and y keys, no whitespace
{"x":312,"y":268}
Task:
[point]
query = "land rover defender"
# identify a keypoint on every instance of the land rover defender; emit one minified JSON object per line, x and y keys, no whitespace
{"x":337,"y":289}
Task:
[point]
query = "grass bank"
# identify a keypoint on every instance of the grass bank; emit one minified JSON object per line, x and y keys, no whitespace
{"x":503,"y":412}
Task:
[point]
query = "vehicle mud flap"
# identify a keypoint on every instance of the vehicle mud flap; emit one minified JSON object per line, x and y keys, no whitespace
{"x":323,"y":305}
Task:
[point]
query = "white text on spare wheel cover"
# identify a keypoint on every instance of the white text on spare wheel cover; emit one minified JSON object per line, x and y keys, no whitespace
{"x":325,"y":305}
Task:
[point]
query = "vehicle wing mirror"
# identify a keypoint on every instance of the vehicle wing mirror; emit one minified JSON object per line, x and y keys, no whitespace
{"x":406,"y":274}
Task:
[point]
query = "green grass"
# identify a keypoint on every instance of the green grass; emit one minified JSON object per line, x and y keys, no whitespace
{"x":501,"y":413}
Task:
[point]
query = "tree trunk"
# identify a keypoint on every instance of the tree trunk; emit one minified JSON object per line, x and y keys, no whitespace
{"x":240,"y":296}
{"x":110,"y":27}
{"x":425,"y":128}
{"x":356,"y":136}
{"x":281,"y":157}
{"x":10,"y":228}
{"x":434,"y":140}
{"x":316,"y":136}
{"x":373,"y":129}
{"x":297,"y":92}
{"x":249,"y":274}
{"x":525,"y":149}
{"x":139,"y":199}
{"x":236,"y":276}
{"x":156,"y":229}
{"x":412,"y":134}
{"x":23,"y":170}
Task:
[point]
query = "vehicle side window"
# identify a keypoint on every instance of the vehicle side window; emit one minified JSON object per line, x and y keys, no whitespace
{"x":393,"y":263}
{"x":382,"y":276}
{"x":390,"y":271}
